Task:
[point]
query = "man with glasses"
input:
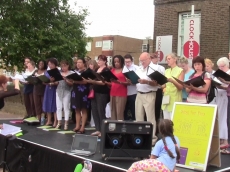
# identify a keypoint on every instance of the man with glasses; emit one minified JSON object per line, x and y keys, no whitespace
{"x":146,"y":93}
{"x":129,"y":113}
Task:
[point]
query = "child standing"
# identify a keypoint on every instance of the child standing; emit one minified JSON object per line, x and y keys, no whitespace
{"x":164,"y":155}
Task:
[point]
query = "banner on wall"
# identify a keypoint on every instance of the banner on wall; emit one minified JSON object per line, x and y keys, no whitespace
{"x":191,"y":46}
{"x":163,"y":47}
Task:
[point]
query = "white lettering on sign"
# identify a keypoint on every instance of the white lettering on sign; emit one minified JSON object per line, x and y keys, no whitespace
{"x":191,"y":38}
{"x":159,"y":47}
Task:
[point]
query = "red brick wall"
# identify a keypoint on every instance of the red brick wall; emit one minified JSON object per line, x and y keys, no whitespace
{"x":214,"y":38}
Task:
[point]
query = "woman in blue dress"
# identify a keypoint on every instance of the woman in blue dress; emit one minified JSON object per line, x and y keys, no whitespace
{"x":49,"y":102}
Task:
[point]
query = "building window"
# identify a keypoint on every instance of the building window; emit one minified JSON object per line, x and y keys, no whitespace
{"x":185,"y":32}
{"x":88,"y":46}
{"x":109,"y":60}
{"x":98,"y":44}
{"x":107,"y":45}
{"x":144,"y":47}
{"x":96,"y":58}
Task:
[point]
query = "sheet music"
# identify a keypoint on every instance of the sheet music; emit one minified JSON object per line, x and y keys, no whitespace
{"x":19,"y":77}
{"x":10,"y":129}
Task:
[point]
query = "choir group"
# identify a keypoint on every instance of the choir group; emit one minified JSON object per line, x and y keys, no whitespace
{"x":128,"y":101}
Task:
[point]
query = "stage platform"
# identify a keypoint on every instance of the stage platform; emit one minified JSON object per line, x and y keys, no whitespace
{"x":45,"y":151}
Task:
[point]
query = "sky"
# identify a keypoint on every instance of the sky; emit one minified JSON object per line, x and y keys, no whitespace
{"x":131,"y":18}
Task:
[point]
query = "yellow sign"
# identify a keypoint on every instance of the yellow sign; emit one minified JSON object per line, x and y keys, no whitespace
{"x":193,"y":125}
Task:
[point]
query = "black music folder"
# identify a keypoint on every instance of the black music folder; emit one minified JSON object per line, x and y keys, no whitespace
{"x":132,"y":76}
{"x":44,"y":78}
{"x":108,"y":76}
{"x":221,"y":74}
{"x":89,"y":74}
{"x":74,"y":76}
{"x":157,"y":76}
{"x":32,"y":79}
{"x":55,"y":73}
{"x":196,"y":82}
{"x":216,"y":83}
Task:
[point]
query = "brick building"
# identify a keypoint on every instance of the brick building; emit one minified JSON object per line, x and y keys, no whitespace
{"x":117,"y":45}
{"x":214,"y":24}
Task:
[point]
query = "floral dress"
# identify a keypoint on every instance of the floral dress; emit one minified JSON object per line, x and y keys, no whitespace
{"x":79,"y":96}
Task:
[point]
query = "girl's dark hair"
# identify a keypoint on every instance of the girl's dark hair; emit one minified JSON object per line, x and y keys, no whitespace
{"x":128,"y":56}
{"x":53,"y":60}
{"x":166,"y":129}
{"x":44,"y":62}
{"x":83,"y":60}
{"x":199,"y":59}
{"x":121,"y":60}
{"x":65,"y":62}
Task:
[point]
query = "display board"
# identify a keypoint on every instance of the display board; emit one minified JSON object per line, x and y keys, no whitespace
{"x":197,"y":129}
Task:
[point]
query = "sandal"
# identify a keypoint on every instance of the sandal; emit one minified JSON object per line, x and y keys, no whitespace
{"x":58,"y":126}
{"x":66,"y":127}
{"x":225,"y":151}
{"x":224,"y":146}
{"x":76,"y":129}
{"x":96,"y":133}
{"x":48,"y":124}
{"x":80,"y":132}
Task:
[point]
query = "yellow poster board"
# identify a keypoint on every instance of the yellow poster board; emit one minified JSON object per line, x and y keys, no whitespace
{"x":194,"y":126}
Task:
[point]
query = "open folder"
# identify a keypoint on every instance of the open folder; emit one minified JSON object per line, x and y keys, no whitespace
{"x":87,"y":74}
{"x":55,"y":73}
{"x":157,"y":76}
{"x":108,"y":76}
{"x":90,"y":74}
{"x":75,"y":77}
{"x":32,"y":79}
{"x":196,"y":82}
{"x":221,"y":74}
{"x":132,"y":76}
{"x":44,"y":78}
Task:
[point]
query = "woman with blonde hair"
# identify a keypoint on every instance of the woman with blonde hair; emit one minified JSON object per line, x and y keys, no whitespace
{"x":172,"y":88}
{"x":188,"y":71}
{"x":209,"y":67}
{"x":92,"y":64}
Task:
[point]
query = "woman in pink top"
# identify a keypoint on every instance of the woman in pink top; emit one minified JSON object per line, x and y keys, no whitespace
{"x":118,"y":92}
{"x":198,"y":94}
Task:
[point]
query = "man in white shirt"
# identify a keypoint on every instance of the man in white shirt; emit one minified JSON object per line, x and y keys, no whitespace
{"x":129,"y":113}
{"x":146,"y":93}
{"x":159,"y":93}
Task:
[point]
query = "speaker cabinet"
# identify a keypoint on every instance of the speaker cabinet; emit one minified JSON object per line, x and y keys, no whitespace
{"x":126,"y":139}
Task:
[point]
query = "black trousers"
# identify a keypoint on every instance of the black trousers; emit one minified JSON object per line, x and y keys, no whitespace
{"x":98,"y":105}
{"x":129,"y":113}
{"x":158,"y":102}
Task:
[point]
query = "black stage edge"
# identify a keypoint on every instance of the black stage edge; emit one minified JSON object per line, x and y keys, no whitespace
{"x":44,"y":151}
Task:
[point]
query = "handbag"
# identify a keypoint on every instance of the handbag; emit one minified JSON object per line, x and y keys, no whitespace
{"x":166,"y":100}
{"x":91,"y":94}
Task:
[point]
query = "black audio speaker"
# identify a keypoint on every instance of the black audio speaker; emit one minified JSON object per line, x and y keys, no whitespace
{"x":126,"y":139}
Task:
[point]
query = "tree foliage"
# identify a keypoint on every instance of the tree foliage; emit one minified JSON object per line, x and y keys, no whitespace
{"x":40,"y":29}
